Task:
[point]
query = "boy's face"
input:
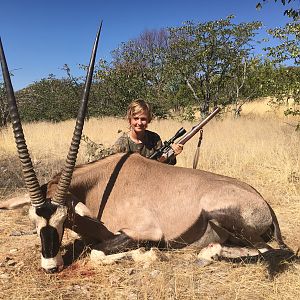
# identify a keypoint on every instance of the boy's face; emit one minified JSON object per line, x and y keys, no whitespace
{"x":139,"y":122}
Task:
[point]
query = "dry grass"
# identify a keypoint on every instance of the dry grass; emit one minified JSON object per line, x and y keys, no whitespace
{"x":263,"y":151}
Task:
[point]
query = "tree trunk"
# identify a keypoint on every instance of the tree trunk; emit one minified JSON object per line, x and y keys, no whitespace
{"x":204,"y":108}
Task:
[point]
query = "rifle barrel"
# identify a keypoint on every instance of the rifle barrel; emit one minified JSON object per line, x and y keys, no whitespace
{"x":196,"y":128}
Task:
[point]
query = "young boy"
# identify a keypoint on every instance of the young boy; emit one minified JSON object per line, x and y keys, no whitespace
{"x":139,"y":139}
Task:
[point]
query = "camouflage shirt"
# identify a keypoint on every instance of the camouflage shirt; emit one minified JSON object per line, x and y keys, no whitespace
{"x":152,"y":143}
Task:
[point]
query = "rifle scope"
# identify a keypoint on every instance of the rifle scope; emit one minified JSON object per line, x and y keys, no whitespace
{"x":178,"y":134}
{"x":167,"y":144}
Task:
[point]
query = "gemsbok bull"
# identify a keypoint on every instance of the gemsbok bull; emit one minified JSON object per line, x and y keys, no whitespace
{"x":126,"y":200}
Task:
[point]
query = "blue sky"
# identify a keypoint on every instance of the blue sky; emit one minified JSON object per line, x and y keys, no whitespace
{"x":39,"y":37}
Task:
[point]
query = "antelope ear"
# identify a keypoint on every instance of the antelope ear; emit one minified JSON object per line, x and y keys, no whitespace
{"x":82,"y":210}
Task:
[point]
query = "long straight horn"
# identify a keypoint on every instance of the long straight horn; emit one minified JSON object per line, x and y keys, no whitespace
{"x":66,"y":176}
{"x":30,"y":178}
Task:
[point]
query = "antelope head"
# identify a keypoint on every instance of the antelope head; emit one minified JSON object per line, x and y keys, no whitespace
{"x":48,"y":215}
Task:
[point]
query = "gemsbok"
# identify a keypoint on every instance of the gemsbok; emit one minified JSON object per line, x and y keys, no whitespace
{"x":126,"y":200}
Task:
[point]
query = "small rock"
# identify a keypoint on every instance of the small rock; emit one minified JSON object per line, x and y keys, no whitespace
{"x":76,"y":287}
{"x":131,"y":271}
{"x":4,"y":276}
{"x":20,"y":265}
{"x":154,"y":273}
{"x":201,"y":262}
{"x":131,"y":296}
{"x":13,"y":250}
{"x":11,"y":263}
{"x":21,"y":232}
{"x":15,"y":233}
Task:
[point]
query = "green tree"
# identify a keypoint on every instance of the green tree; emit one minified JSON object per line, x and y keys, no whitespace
{"x":287,"y":52}
{"x":49,"y":99}
{"x":250,"y":80}
{"x":142,"y":61}
{"x":288,"y":48}
{"x":115,"y":87}
{"x":206,"y":54}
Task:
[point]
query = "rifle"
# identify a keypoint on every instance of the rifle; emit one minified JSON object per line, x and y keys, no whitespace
{"x":166,"y":149}
{"x":167,"y":144}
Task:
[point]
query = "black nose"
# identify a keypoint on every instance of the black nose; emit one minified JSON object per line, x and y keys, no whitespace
{"x":52,"y":270}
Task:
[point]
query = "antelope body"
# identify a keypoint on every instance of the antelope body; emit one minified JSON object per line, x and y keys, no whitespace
{"x":144,"y":200}
{"x":152,"y":201}
{"x":149,"y":201}
{"x":169,"y":206}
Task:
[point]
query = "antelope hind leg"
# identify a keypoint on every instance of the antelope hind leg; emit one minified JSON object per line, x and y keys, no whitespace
{"x":213,"y":248}
{"x":214,"y":235}
{"x":15,"y":202}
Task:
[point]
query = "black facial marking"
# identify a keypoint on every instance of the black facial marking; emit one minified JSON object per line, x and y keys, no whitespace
{"x":50,"y":241}
{"x":46,"y":211}
{"x":49,"y":236}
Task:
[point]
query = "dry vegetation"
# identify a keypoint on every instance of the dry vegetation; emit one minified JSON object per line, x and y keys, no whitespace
{"x":260,"y":149}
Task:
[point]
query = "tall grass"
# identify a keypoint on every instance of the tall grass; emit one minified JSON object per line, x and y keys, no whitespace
{"x":260,"y":149}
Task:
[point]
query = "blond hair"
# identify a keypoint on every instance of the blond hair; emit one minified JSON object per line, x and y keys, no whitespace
{"x":138,"y":106}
